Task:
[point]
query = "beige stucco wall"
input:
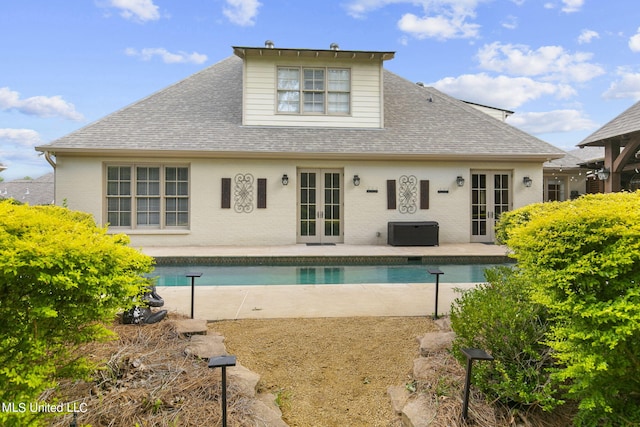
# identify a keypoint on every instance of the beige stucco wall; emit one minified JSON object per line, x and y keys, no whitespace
{"x":80,"y":184}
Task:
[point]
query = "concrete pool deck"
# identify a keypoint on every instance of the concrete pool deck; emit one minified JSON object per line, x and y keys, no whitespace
{"x":292,"y":301}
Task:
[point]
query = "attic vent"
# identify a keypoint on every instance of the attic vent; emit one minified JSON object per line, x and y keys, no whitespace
{"x":420,"y":84}
{"x":269,"y":44}
{"x":334,"y":46}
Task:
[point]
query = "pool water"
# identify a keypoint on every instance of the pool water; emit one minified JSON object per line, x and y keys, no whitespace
{"x":317,"y":275}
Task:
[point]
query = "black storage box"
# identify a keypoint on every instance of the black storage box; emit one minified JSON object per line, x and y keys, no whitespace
{"x":417,"y":233}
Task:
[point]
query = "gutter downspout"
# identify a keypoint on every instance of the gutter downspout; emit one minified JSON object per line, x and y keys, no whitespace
{"x":47,"y":156}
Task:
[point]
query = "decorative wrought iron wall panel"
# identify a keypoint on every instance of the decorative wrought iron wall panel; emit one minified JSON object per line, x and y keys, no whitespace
{"x":408,"y":194}
{"x":243,"y":193}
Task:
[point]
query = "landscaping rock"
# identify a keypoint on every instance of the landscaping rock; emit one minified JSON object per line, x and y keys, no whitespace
{"x":399,"y":396}
{"x":423,"y":368}
{"x":419,"y":412}
{"x":206,"y":346}
{"x":243,"y":380}
{"x":433,"y":342}
{"x":444,"y":323}
{"x":190,"y":327}
{"x":265,"y":412}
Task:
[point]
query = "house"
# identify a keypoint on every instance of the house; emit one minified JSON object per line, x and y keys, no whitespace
{"x":565,"y":178}
{"x":283,"y":146}
{"x":620,"y":138}
{"x":37,"y":191}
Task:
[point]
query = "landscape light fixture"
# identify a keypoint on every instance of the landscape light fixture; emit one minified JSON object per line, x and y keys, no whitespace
{"x":527,"y":181}
{"x":193,"y":287}
{"x":603,"y":174}
{"x":223,"y":362}
{"x":285,"y":179}
{"x":471,"y":354}
{"x":460,"y":181}
{"x":356,"y":180}
{"x":436,"y":272}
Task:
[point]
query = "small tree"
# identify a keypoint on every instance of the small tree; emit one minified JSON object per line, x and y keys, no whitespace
{"x":582,"y":258}
{"x":60,"y":278}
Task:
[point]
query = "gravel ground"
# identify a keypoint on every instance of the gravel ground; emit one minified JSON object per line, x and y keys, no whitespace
{"x":329,"y":371}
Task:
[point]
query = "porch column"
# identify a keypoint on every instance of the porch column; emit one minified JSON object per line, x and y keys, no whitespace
{"x":611,"y":153}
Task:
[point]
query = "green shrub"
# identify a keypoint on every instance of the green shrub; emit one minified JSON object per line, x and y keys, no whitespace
{"x":582,"y":258}
{"x":60,"y":278}
{"x":500,"y":317}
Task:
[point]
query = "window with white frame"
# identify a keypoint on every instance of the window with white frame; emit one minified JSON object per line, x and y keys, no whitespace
{"x":147,"y":196}
{"x":314,"y":90}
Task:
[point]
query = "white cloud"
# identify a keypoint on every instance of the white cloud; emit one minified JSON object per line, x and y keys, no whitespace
{"x":501,"y":91}
{"x":439,"y":27}
{"x":167,"y":57}
{"x":22,"y":137}
{"x":18,"y":155}
{"x":555,"y":121}
{"x":587,"y":35}
{"x":571,"y":6}
{"x":242,"y":12}
{"x":137,"y":10}
{"x":359,"y":8}
{"x":634,"y":42}
{"x":510,"y":23}
{"x":628,"y":86}
{"x":41,"y":106}
{"x":441,"y":19}
{"x":548,"y":62}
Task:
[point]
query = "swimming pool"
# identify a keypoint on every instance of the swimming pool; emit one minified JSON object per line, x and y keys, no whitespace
{"x":175,"y":275}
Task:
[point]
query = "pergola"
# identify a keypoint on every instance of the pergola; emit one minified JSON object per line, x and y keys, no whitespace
{"x":621,"y":141}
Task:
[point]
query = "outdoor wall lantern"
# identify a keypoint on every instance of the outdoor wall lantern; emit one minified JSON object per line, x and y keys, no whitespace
{"x":603,"y":174}
{"x":460,"y":181}
{"x":527,"y":181}
{"x":356,"y":180}
{"x":285,"y":179}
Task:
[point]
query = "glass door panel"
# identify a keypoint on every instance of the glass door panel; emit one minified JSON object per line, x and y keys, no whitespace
{"x":320,"y":206}
{"x":490,"y":197}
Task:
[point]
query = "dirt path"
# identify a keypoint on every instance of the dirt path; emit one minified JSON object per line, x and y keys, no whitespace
{"x":329,"y":372}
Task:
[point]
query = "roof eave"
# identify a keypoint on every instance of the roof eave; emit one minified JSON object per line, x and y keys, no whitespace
{"x":244,"y":51}
{"x":272,"y":155}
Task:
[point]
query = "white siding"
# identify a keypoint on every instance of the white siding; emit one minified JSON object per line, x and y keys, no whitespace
{"x":259,"y":98}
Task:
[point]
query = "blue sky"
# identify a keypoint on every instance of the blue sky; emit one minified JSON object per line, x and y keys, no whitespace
{"x":565,"y":67}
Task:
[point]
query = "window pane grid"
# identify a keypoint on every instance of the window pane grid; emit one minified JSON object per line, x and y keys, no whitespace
{"x":177,"y":206}
{"x":119,"y":196}
{"x":151,"y":204}
{"x":314,"y":90}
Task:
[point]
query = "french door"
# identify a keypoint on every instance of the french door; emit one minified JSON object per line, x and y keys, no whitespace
{"x":320,"y":206}
{"x":490,"y":197}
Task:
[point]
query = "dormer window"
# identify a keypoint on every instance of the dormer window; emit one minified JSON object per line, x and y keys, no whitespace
{"x":314,"y":90}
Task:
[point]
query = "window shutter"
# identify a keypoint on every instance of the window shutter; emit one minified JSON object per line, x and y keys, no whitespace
{"x":424,"y":194}
{"x":391,"y":194}
{"x":226,"y":193}
{"x":262,"y":193}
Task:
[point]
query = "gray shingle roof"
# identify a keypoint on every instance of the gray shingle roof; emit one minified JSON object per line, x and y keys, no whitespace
{"x":203,"y":115}
{"x":625,"y":123}
{"x":37,"y":191}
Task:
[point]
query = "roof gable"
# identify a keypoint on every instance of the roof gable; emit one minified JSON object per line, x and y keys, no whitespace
{"x":626,"y":123}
